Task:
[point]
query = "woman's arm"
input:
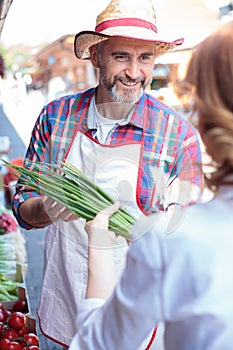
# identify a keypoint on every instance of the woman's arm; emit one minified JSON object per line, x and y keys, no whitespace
{"x":132,"y":310}
{"x":101,"y":268}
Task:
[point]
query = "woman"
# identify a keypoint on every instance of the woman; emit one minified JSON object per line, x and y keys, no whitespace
{"x":180,"y":271}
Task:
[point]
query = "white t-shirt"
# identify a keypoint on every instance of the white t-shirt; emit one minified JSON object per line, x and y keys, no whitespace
{"x":104,"y":125}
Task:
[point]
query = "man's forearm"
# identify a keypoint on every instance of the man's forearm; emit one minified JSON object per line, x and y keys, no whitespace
{"x":32,"y":211}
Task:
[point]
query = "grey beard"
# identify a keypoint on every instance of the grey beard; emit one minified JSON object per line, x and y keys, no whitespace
{"x":126,"y":98}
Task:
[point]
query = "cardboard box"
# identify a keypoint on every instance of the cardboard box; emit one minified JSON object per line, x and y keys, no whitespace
{"x":22,"y":295}
{"x":18,"y":272}
{"x":19,"y":277}
{"x":31,"y":324}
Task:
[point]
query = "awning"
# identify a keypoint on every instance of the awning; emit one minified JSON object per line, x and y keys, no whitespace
{"x":4,"y":8}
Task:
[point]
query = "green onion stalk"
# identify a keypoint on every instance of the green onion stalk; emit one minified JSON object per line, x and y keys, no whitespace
{"x":70,"y":187}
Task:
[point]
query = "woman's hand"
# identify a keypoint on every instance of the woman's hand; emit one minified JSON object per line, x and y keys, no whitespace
{"x":97,"y":229}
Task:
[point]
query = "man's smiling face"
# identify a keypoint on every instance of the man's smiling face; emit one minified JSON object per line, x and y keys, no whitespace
{"x":125,"y":68}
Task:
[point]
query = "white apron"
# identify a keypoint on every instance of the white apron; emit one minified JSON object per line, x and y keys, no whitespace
{"x":115,"y":170}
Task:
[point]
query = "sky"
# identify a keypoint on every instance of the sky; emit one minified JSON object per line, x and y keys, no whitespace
{"x":34,"y":22}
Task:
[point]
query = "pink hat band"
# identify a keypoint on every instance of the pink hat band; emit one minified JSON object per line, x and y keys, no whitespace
{"x":121,"y":22}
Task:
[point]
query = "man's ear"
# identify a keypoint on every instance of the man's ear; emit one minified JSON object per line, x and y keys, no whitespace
{"x":94,"y":56}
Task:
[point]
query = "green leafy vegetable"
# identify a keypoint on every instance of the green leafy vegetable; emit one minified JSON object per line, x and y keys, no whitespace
{"x":70,"y":187}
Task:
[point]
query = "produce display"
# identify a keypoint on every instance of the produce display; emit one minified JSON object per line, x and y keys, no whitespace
{"x":7,"y":221}
{"x":8,"y":288}
{"x":69,"y":187}
{"x":12,"y":243}
{"x":15,"y":334}
{"x":17,"y":326}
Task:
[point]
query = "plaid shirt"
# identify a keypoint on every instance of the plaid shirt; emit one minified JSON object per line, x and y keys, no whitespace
{"x":170,"y":147}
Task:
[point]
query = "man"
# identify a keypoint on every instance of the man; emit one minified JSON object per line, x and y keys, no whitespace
{"x":137,"y":149}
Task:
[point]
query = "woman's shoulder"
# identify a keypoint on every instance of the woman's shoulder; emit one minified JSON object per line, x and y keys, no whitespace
{"x":201,"y":225}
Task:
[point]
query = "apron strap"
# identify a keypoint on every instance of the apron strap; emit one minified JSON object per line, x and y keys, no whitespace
{"x":152,"y":338}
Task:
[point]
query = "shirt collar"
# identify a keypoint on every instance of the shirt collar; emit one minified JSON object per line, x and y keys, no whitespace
{"x":135,"y":117}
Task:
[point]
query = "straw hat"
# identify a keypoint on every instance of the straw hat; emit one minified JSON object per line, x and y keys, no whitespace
{"x":134,"y":19}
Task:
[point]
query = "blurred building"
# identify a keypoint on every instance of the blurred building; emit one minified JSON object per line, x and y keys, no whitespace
{"x":192,"y":20}
{"x":56,"y":70}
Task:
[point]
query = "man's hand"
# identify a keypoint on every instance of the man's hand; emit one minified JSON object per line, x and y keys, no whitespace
{"x":42,"y":211}
{"x":56,"y":211}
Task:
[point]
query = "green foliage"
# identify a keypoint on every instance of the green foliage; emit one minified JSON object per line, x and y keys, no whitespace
{"x":17,"y":54}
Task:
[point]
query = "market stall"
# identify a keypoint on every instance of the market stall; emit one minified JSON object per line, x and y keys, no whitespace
{"x":17,"y":326}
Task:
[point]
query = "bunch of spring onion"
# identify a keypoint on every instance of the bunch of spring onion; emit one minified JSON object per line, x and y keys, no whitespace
{"x":70,"y":187}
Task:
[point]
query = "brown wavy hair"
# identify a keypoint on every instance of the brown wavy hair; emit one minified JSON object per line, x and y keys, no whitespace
{"x":210,"y":72}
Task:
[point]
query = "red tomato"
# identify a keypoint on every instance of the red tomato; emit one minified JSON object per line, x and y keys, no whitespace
{"x":6,"y":344}
{"x":6,"y":313}
{"x":2,"y":316}
{"x":33,"y":347}
{"x":20,"y":305}
{"x":9,"y":334}
{"x":13,"y":346}
{"x":16,"y":320}
{"x":2,"y":328}
{"x":32,"y":339}
{"x":23,"y":331}
{"x":22,"y":343}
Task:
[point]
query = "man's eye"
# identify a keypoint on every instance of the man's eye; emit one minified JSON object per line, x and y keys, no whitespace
{"x":146,"y":58}
{"x":121,"y":58}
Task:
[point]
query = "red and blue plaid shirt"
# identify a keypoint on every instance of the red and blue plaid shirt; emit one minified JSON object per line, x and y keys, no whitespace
{"x":170,"y":145}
